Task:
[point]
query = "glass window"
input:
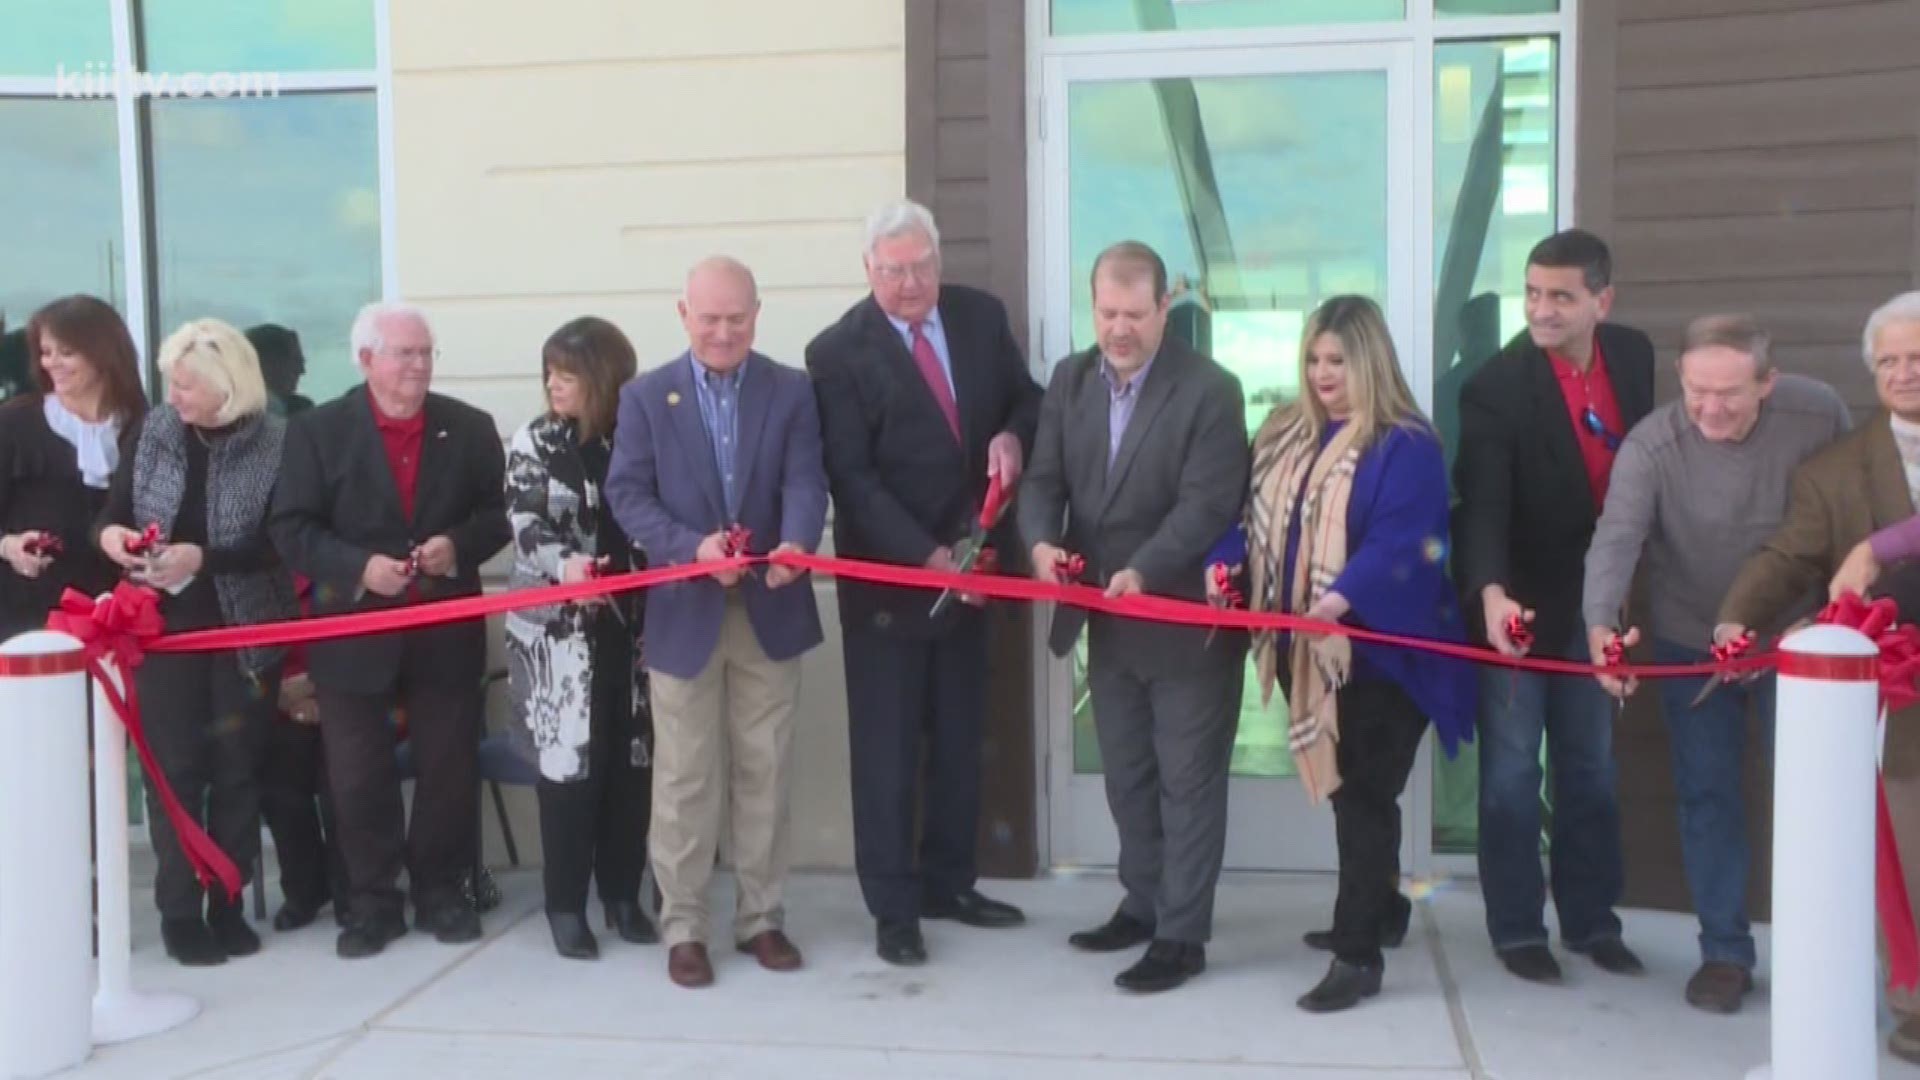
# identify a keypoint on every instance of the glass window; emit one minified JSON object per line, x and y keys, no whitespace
{"x":59,"y":203}
{"x":46,"y":38}
{"x":1445,"y":8}
{"x":257,"y":35}
{"x":269,"y":211}
{"x":1132,"y":16}
{"x":1190,"y":167}
{"x":1495,"y":153}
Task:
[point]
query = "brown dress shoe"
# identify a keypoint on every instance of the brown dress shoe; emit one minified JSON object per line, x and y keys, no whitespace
{"x":688,"y":966}
{"x":774,"y":950}
{"x":1904,"y":1043}
{"x":1718,"y":987}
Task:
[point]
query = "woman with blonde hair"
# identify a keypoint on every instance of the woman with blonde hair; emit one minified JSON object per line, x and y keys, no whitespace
{"x":202,"y":476}
{"x":1347,"y":522}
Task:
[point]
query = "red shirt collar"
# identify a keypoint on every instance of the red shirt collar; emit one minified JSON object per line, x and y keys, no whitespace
{"x":411,"y":425}
{"x":1567,"y":369}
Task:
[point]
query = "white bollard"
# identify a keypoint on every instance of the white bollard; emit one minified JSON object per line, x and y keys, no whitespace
{"x":1825,"y":760}
{"x":120,"y":1013}
{"x":45,"y":909}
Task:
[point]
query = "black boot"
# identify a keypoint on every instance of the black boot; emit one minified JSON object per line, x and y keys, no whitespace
{"x":228,"y":922}
{"x":1344,"y":986}
{"x":625,"y":919}
{"x":571,"y":938}
{"x":191,"y":943}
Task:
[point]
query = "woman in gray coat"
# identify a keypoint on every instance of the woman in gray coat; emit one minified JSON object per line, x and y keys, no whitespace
{"x":579,"y":688}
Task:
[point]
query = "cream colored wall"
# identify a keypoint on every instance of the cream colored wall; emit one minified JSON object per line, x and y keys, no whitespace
{"x":575,"y":157}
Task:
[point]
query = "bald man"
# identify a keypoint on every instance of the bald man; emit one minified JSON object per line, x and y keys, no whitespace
{"x":721,"y":436}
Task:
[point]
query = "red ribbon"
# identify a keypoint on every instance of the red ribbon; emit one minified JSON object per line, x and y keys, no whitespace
{"x":119,"y":627}
{"x":1899,"y":667}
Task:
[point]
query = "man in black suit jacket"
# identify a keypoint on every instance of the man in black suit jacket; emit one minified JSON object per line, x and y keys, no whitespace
{"x":392,"y":496}
{"x":923,"y":396}
{"x":1539,"y":426}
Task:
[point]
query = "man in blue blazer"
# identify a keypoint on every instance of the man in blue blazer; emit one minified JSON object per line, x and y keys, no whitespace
{"x":722,"y":437}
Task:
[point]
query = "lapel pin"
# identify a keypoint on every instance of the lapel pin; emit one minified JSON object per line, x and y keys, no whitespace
{"x":673,"y":397}
{"x":441,"y":434}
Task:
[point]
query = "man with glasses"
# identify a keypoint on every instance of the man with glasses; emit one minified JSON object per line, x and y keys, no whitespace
{"x":1698,"y":487}
{"x":391,"y":495}
{"x":924,"y":398}
{"x":1540,"y":425}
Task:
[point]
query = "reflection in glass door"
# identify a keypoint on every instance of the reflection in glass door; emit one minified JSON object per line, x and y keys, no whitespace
{"x":1268,"y":180}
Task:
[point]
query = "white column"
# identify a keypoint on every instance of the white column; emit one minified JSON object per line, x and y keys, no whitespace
{"x":45,"y":924}
{"x":1824,"y":967}
{"x":120,"y":1013}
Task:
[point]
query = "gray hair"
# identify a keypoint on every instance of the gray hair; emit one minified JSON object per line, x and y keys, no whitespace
{"x":366,"y":325}
{"x":1740,"y":332}
{"x":898,"y":218}
{"x":1900,"y":309}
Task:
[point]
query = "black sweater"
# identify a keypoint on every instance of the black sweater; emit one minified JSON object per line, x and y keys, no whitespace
{"x":41,"y":490}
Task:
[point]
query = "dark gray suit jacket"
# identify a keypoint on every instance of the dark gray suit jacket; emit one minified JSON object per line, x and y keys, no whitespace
{"x":1177,"y":484}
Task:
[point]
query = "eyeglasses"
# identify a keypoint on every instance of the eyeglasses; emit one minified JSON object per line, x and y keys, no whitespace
{"x":895,"y":273}
{"x":1596,"y":426}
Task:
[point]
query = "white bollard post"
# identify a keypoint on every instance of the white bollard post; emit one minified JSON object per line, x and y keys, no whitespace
{"x":119,"y":1013}
{"x":1825,"y":760}
{"x":45,"y":923}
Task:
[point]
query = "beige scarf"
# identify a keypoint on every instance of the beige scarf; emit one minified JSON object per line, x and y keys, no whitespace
{"x":1293,"y":476}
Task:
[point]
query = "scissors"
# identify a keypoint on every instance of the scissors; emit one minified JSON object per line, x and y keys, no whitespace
{"x":1732,"y":650}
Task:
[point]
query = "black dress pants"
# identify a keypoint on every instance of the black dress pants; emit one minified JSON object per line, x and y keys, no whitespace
{"x":595,"y":828}
{"x":1380,"y":732}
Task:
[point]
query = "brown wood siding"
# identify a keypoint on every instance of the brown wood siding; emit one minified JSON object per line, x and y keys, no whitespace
{"x":966,"y":160}
{"x":1756,"y":155}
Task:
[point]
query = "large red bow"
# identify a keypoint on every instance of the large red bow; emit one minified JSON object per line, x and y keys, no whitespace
{"x":1899,"y":645}
{"x":117,"y":627}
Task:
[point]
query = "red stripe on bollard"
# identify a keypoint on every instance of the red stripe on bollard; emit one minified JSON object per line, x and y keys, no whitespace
{"x":1830,"y":668}
{"x":29,"y":667}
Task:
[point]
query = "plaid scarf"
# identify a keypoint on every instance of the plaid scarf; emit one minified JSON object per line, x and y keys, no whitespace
{"x":1294,"y":478}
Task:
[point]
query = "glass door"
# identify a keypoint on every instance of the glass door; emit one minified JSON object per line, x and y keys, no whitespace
{"x":1268,"y":179}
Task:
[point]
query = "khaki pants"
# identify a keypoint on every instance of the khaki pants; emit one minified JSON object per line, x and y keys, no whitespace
{"x":1903,"y":806}
{"x":739,"y":711}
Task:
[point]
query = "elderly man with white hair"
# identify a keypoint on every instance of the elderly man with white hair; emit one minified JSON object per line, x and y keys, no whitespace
{"x":1858,"y":486}
{"x":392,"y":495}
{"x":924,"y":397}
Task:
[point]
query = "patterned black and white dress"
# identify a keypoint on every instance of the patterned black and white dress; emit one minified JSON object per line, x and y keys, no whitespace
{"x":556,"y":510}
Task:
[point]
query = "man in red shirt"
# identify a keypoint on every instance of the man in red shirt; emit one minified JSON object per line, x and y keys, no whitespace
{"x":1539,"y":427}
{"x":390,"y":496}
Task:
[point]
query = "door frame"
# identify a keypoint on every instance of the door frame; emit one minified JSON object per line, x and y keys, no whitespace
{"x":1081,"y":829}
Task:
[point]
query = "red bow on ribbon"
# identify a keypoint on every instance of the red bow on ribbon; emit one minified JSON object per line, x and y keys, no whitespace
{"x":118,"y":627}
{"x":1735,"y":649}
{"x":1614,"y":652}
{"x":43,"y":546}
{"x":1070,"y":566}
{"x":1521,"y":634}
{"x":1899,"y":668}
{"x":733,"y":543}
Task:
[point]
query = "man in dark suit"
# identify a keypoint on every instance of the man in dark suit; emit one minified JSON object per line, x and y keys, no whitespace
{"x":391,"y":496}
{"x":720,"y":437}
{"x":923,"y":396}
{"x":1540,"y":425}
{"x":1140,"y":466}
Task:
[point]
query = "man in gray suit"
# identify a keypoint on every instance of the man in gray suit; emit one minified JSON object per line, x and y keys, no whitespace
{"x":1140,"y":466}
{"x":722,"y":436}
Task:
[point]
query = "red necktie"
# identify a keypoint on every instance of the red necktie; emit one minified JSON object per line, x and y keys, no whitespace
{"x":928,"y":362}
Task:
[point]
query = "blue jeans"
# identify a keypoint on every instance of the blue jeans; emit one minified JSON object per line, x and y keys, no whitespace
{"x":1576,"y":717}
{"x":1709,"y":746}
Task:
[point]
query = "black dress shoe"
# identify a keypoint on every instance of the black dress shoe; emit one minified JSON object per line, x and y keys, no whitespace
{"x":1611,"y":954}
{"x":571,"y":938}
{"x":1393,"y":932}
{"x":228,"y":922}
{"x":191,"y":943}
{"x":366,"y":937}
{"x":1166,"y":965}
{"x":1123,"y":931}
{"x":450,"y":924}
{"x":626,"y":919}
{"x":969,"y":907}
{"x":296,"y":915}
{"x":900,"y":942}
{"x":1344,"y":986}
{"x":1534,"y":963}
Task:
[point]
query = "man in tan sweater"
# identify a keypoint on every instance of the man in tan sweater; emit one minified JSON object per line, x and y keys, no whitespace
{"x":1860,"y":484}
